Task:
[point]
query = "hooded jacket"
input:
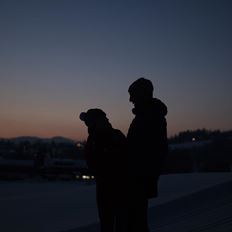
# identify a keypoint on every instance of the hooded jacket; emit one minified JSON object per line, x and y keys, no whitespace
{"x":147,"y":139}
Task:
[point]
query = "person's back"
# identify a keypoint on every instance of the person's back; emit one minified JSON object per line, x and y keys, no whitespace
{"x":147,"y":139}
{"x":104,"y":153}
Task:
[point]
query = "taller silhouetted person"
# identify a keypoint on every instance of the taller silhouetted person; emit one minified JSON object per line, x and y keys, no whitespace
{"x":104,"y":153}
{"x":147,"y":148}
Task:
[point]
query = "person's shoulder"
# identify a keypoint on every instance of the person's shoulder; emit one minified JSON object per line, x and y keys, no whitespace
{"x":159,"y":107}
{"x":118,"y":134}
{"x":89,"y":140}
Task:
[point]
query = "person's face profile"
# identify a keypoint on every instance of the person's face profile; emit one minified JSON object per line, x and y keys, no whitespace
{"x":102,"y":124}
{"x":90,"y":124}
{"x":98,"y":125}
{"x":131,"y":97}
{"x":134,"y":97}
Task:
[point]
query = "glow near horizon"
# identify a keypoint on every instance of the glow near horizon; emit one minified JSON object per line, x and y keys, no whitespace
{"x":60,"y":59}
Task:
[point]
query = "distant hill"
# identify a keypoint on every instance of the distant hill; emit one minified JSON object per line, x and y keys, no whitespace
{"x":33,"y":139}
{"x":60,"y":139}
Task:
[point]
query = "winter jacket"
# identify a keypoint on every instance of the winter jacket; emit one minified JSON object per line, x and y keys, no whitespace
{"x":147,"y":143}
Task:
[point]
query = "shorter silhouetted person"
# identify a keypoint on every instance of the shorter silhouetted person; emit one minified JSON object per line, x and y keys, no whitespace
{"x":104,"y":153}
{"x":147,"y":149}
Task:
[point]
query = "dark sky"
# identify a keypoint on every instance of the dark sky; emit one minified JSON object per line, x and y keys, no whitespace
{"x":58,"y":58}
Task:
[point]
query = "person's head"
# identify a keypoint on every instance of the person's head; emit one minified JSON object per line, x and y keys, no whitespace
{"x":95,"y":120}
{"x":141,"y":91}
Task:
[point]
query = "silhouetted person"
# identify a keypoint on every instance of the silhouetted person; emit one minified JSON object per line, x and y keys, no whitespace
{"x":147,"y":148}
{"x":104,"y":153}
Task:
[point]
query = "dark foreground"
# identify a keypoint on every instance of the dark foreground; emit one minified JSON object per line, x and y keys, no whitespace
{"x":209,"y":210}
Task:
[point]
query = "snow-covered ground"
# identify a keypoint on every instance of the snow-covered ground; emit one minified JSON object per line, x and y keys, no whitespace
{"x":174,"y":186}
{"x":46,"y":206}
{"x":59,"y":206}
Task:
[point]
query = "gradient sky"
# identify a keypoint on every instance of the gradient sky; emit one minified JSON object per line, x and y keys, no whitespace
{"x":61,"y":57}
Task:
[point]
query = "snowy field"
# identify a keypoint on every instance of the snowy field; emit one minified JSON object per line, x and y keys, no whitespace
{"x":58,"y":206}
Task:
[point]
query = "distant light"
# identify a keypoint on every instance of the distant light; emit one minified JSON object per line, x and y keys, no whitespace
{"x":193,"y":139}
{"x":79,"y":145}
{"x":92,"y":177}
{"x":77,"y":177}
{"x":86,"y":177}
